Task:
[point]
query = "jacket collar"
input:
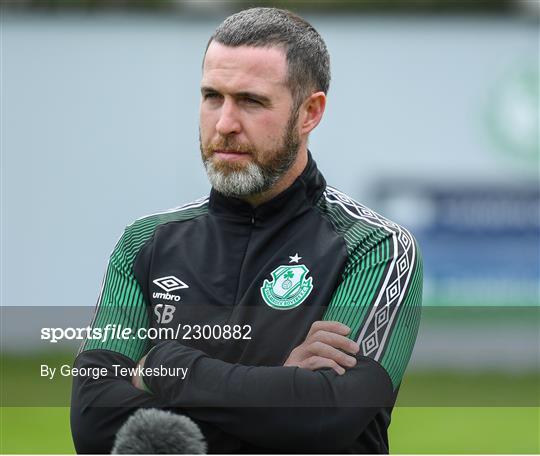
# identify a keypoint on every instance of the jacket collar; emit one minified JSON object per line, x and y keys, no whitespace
{"x":304,"y":191}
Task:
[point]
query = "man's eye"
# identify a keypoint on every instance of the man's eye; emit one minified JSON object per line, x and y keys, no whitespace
{"x":207,"y":96}
{"x":252,"y":101}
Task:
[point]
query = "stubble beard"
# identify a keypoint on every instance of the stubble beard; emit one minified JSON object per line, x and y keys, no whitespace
{"x":261,"y":173}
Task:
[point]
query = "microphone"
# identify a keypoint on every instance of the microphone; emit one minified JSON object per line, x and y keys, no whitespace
{"x":154,"y":431}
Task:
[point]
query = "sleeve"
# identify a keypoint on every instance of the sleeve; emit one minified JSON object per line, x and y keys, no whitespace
{"x":99,"y":406}
{"x":297,"y":409}
{"x":380,"y":299}
{"x":284,"y":408}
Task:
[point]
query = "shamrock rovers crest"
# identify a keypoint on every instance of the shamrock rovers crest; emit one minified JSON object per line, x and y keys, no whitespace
{"x":288,"y":288}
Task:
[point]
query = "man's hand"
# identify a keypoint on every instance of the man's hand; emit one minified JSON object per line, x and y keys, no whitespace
{"x":325,"y":346}
{"x":137,"y":380}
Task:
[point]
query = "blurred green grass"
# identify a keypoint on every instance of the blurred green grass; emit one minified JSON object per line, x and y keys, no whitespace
{"x":420,"y":429}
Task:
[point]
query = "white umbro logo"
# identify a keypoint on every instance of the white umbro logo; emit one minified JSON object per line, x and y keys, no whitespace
{"x":170,"y":283}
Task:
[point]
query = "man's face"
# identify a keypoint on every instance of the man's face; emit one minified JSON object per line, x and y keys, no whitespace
{"x":248,"y":132}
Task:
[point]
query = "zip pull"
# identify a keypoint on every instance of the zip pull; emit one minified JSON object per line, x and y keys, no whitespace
{"x":253,"y":220}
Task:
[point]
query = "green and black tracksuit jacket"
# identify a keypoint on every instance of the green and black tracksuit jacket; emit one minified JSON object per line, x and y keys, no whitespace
{"x":311,"y":253}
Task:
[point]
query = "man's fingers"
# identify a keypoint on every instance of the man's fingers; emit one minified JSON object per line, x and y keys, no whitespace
{"x":318,"y":362}
{"x":325,"y":340}
{"x":326,"y":351}
{"x":330,"y":326}
{"x":336,"y":341}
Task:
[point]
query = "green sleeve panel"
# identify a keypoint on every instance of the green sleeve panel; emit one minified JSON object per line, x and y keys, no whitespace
{"x":380,"y":294}
{"x":400,"y":343}
{"x":121,"y":303}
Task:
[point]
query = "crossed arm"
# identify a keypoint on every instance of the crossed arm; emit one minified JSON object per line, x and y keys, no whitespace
{"x":274,"y":407}
{"x":322,"y":398}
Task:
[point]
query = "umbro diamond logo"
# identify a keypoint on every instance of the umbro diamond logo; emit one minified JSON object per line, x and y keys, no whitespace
{"x":170,"y":283}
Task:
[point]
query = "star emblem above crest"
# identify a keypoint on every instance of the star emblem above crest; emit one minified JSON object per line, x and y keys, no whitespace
{"x":295,"y":258}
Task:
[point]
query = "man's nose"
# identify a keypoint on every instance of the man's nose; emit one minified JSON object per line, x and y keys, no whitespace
{"x":228,"y":122}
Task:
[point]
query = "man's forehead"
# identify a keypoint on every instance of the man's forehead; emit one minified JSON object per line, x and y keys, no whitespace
{"x":243,"y":62}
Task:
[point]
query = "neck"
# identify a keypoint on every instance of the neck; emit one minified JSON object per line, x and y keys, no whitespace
{"x":283,"y":183}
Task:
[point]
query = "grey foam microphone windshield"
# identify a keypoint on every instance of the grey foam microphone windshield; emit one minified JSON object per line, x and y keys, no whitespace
{"x":153,"y":431}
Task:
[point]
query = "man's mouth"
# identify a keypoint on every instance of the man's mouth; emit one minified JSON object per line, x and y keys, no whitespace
{"x":230,"y":155}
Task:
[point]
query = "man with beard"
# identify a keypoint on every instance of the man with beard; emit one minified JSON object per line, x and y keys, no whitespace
{"x":293,"y":308}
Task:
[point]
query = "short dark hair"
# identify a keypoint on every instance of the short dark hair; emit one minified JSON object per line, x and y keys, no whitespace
{"x":308,"y":60}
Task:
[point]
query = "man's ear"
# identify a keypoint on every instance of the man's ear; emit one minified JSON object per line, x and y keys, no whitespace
{"x":312,"y":111}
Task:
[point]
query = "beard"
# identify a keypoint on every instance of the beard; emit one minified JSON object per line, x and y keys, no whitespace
{"x":262,"y":172}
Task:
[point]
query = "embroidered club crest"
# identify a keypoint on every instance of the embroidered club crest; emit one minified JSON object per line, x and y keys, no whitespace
{"x":288,"y":288}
